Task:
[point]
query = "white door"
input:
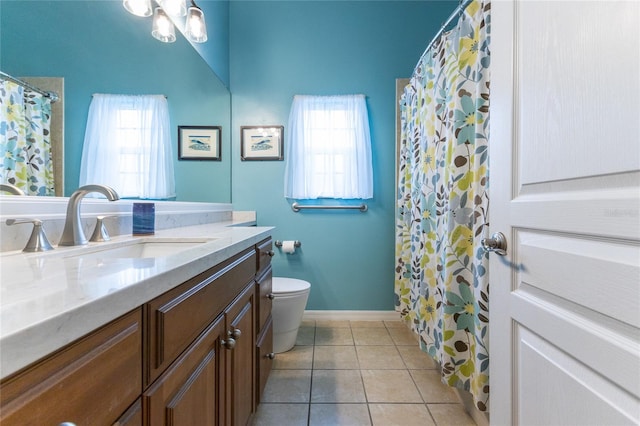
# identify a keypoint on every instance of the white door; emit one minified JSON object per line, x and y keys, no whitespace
{"x":565,"y":191}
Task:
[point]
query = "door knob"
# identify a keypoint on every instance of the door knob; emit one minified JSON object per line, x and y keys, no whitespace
{"x":496,"y":244}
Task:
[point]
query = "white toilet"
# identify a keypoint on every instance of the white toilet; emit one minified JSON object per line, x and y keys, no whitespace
{"x":289,"y":300}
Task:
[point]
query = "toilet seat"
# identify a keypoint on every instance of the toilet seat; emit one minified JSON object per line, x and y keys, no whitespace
{"x":289,"y":286}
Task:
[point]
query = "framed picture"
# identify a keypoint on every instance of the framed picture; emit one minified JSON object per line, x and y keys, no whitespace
{"x":261,"y":143}
{"x":199,"y":143}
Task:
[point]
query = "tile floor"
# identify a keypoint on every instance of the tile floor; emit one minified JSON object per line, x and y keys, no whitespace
{"x":348,"y":373}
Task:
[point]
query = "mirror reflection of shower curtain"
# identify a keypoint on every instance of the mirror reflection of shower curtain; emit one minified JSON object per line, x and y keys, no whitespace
{"x":25,"y":139}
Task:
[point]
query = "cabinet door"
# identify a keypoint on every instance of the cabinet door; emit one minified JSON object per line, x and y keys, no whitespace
{"x":190,"y":392}
{"x":241,"y":366}
{"x":90,"y":382}
{"x":265,"y":356}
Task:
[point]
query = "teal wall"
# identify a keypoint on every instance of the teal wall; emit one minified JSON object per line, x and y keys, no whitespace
{"x":98,"y":47}
{"x":282,"y":48}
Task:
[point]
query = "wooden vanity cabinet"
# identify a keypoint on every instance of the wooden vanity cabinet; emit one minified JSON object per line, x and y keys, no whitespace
{"x":212,"y":382}
{"x":200,"y":338}
{"x":89,"y":382}
{"x":187,"y":357}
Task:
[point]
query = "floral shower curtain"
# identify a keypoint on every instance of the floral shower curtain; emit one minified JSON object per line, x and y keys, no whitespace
{"x":25,"y":143}
{"x":442,"y":283}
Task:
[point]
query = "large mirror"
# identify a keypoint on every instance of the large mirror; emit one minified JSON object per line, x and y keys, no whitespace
{"x":98,"y":47}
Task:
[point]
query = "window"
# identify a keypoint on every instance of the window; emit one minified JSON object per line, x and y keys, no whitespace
{"x":127,"y":146}
{"x":328,"y":148}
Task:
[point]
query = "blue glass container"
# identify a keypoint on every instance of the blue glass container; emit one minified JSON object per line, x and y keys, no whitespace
{"x":144,"y":218}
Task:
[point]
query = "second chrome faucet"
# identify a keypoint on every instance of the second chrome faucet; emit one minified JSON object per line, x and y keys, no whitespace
{"x":73,"y":235}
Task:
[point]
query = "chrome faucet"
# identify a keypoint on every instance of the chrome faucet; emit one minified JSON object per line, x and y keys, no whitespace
{"x":11,"y":189}
{"x":73,"y":235}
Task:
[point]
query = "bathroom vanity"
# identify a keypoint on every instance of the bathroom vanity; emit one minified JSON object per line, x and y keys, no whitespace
{"x":170,"y":339}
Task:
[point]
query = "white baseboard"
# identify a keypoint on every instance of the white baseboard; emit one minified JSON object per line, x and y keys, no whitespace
{"x":351,"y":315}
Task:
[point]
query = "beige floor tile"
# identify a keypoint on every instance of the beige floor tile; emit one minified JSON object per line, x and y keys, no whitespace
{"x":281,"y":414}
{"x":298,"y":358}
{"x":379,"y":357}
{"x":431,"y":387}
{"x":415,"y":358}
{"x":400,"y":415}
{"x":306,"y":336}
{"x":335,"y":357}
{"x":396,"y":324}
{"x":333,"y":336}
{"x":403,"y":336}
{"x":371,"y":336}
{"x":333,"y":323}
{"x":450,"y":415}
{"x":339,"y":415}
{"x":288,"y":386}
{"x":366,"y":324}
{"x":390,"y":386}
{"x":337,"y":386}
{"x":308,"y":323}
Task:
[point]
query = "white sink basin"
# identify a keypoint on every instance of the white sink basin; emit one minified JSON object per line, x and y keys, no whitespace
{"x":147,"y":248}
{"x":142,"y":248}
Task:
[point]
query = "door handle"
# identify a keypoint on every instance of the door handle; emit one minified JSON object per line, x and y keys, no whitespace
{"x":496,"y":244}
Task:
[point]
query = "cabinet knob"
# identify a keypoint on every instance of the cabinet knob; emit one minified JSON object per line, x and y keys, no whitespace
{"x":236,"y":333}
{"x":230,"y":343}
{"x":67,"y":424}
{"x":270,"y":253}
{"x":270,"y":355}
{"x":271,"y":296}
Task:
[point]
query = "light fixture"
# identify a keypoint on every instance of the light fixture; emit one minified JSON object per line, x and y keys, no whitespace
{"x":163,"y":28}
{"x":175,"y":8}
{"x":195,"y":27}
{"x":138,"y":7}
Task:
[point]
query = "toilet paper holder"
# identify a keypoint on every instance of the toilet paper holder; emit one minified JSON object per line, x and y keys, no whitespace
{"x":296,"y":243}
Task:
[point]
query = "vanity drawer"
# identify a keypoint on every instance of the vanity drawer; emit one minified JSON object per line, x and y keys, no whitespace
{"x":265,"y":253}
{"x":174,"y":319}
{"x":265,"y":301}
{"x":89,"y":382}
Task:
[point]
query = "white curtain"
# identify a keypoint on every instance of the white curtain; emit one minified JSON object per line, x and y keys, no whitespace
{"x":127,"y":146}
{"x":328,"y":148}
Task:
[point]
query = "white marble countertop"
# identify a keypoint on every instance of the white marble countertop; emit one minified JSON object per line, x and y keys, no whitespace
{"x":49,"y":300}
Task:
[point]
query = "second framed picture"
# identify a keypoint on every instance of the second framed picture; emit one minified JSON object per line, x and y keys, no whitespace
{"x":199,"y":143}
{"x":260,"y":143}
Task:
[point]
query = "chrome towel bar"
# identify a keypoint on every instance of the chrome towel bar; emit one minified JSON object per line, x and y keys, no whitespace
{"x":297,"y":207}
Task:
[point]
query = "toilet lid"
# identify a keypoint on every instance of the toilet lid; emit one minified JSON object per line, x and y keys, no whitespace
{"x":289,"y":285}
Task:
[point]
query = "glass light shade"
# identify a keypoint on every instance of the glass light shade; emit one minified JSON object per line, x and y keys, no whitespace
{"x":138,"y":7}
{"x":163,"y":28}
{"x":174,"y":8}
{"x":195,"y":27}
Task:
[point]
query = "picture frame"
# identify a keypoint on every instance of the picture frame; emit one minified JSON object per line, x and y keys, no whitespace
{"x":261,"y":143}
{"x":199,"y":143}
